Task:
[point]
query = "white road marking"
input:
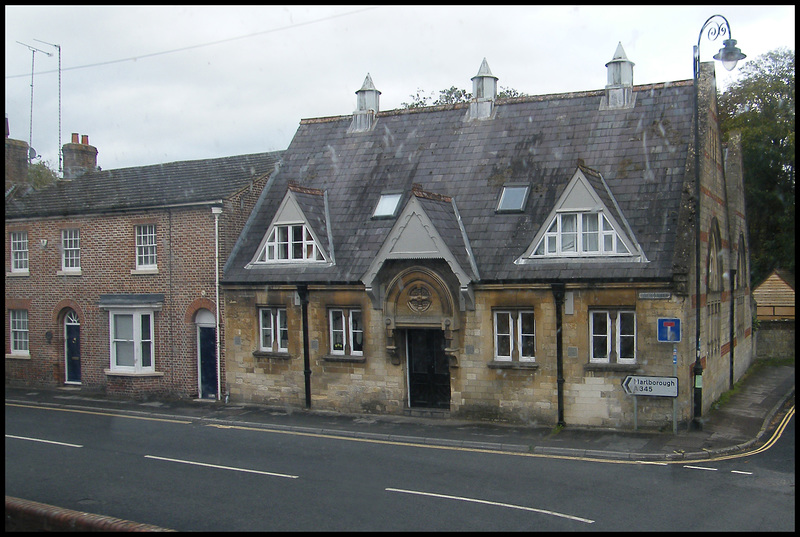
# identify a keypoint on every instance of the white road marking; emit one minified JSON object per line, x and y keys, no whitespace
{"x":194,"y":463}
{"x":487,"y":502}
{"x":739,"y":472}
{"x":700,"y":468}
{"x":43,"y":441}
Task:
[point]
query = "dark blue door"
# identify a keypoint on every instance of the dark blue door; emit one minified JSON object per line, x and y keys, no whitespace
{"x":208,"y":362}
{"x":73,"y":335}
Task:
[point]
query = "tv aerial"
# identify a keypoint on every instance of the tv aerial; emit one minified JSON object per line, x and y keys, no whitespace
{"x":59,"y":100}
{"x":33,"y":50}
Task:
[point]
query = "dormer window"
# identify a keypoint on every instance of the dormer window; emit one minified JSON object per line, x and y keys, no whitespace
{"x":513,"y":198}
{"x":387,"y":205}
{"x":290,"y":243}
{"x":580,"y":234}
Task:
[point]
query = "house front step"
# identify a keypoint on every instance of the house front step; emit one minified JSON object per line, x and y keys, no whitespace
{"x":427,"y":413}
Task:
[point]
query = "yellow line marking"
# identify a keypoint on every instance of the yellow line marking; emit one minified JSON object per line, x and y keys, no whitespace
{"x":776,"y":435}
{"x":773,"y":439}
{"x":98,"y":413}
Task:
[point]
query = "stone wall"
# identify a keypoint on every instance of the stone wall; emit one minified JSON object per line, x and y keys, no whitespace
{"x":481,"y":387}
{"x":775,"y":339}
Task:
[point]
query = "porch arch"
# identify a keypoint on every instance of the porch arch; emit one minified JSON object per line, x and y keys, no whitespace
{"x":419,"y":297}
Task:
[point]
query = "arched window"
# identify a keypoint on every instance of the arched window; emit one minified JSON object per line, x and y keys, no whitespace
{"x":740,"y":286}
{"x":714,"y":279}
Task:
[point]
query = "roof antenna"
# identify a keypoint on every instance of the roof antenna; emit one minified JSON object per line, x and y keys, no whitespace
{"x":34,"y":50}
{"x":59,"y":101}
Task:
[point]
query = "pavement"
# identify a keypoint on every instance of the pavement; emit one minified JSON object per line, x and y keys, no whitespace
{"x":740,"y":424}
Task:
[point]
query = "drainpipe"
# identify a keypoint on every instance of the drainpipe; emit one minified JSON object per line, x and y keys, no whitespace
{"x":732,"y":323}
{"x":302,"y":292}
{"x":558,"y":295}
{"x":216,"y":211}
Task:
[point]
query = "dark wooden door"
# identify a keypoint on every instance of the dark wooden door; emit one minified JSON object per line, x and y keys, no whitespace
{"x":428,"y":369}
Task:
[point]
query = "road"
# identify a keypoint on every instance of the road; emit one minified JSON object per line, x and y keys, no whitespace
{"x":190,"y":475}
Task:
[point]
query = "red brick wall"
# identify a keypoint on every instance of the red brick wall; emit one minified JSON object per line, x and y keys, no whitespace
{"x":186,"y":278}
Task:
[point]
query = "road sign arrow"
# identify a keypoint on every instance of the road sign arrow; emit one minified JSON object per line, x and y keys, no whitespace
{"x":656,"y":386}
{"x":626,"y":384}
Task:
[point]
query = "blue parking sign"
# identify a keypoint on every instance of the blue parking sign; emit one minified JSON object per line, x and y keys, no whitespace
{"x":669,"y":330}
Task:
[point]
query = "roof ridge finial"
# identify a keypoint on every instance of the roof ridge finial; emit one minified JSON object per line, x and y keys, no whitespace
{"x":484,"y":70}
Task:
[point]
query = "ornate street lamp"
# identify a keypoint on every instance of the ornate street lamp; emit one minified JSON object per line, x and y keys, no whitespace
{"x":729,"y":55}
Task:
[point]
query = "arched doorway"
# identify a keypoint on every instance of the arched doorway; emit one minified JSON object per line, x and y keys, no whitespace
{"x":206,"y":354}
{"x":72,"y":348}
{"x":420,"y":317}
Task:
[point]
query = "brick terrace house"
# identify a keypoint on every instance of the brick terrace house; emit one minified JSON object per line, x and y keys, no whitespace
{"x":110,"y":275}
{"x":497,"y":259}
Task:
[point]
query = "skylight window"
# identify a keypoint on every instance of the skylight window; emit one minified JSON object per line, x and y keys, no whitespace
{"x":387,"y":205}
{"x":513,"y":198}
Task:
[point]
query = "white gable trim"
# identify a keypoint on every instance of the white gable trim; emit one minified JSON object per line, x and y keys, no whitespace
{"x":414,"y":236}
{"x":289,"y":213}
{"x":579,"y":196}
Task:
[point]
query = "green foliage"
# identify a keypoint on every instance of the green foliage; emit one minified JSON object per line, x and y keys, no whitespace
{"x":41,"y":175}
{"x":453,"y":95}
{"x":509,"y":93}
{"x":760,"y":105}
{"x":417,"y":101}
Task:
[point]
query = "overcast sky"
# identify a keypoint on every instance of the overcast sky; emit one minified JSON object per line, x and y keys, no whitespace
{"x":152,"y":84}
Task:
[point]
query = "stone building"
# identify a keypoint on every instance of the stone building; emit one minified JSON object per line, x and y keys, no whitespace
{"x":508,"y":259}
{"x":110,"y":282}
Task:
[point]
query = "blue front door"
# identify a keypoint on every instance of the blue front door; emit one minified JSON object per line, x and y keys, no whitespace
{"x":208,"y":362}
{"x":72,"y":334}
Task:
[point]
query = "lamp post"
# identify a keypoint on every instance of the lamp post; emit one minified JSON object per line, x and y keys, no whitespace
{"x":729,"y":55}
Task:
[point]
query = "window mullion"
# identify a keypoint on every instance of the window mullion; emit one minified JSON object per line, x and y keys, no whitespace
{"x":348,"y":334}
{"x":137,"y":342}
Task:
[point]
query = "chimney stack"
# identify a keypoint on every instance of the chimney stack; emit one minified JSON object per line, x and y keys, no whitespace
{"x":79,"y":158}
{"x":16,"y":161}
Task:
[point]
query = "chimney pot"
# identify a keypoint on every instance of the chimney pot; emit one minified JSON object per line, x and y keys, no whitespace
{"x":79,"y":158}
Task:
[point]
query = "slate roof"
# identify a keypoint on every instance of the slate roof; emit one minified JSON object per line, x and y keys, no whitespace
{"x":640,"y":152}
{"x":144,"y":187}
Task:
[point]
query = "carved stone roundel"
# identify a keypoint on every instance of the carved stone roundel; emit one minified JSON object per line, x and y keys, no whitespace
{"x":419,"y":299}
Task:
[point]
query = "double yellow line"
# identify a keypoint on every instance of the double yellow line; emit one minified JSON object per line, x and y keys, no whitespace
{"x":768,"y":444}
{"x":772,"y":440}
{"x":96,"y":413}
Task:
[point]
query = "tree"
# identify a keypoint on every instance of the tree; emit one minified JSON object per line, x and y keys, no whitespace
{"x":760,"y":105}
{"x":453,"y":95}
{"x":41,"y":175}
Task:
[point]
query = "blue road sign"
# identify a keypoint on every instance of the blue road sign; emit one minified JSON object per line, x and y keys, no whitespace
{"x":669,"y":330}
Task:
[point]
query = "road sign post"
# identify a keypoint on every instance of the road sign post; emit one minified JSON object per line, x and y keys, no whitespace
{"x":650,"y":386}
{"x":669,"y":331}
